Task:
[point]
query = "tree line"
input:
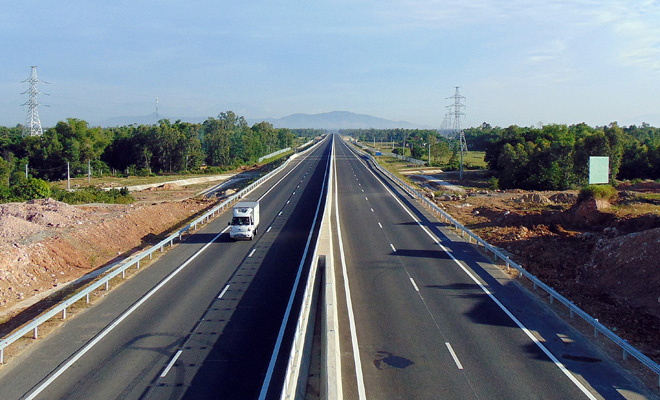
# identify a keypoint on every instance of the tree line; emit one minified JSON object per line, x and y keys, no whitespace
{"x":550,"y":157}
{"x":217,"y":144}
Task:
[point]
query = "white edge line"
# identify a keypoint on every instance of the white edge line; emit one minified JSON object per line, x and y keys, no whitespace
{"x":117,"y":321}
{"x":278,"y":343}
{"x":554,"y":359}
{"x":349,"y":303}
{"x":171,"y":364}
{"x":453,"y":355}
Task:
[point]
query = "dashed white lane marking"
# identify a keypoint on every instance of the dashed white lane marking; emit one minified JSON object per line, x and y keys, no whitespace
{"x":453,"y":355}
{"x":372,"y":210}
{"x":381,"y":226}
{"x":414,"y":284}
{"x":269,"y":228}
{"x":252,"y":253}
{"x":223,"y":291}
{"x":171,"y":364}
{"x":392,"y":246}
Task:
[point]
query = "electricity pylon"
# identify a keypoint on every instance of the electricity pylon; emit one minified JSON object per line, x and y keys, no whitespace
{"x":32,"y":123}
{"x":458,"y":131}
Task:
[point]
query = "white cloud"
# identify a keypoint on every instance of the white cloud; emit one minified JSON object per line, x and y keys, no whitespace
{"x":635,"y":24}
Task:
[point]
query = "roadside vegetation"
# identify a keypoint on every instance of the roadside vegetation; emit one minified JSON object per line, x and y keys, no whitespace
{"x":29,"y":166}
{"x":551,"y":157}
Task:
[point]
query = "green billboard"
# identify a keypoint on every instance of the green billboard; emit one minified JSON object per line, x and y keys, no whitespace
{"x":599,"y":170}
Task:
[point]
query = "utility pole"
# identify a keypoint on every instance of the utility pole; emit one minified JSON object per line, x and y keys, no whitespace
{"x":458,"y":132}
{"x":68,"y":178}
{"x":26,"y":170}
{"x":32,"y":123}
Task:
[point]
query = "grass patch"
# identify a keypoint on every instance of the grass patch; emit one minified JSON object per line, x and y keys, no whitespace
{"x":598,"y":192}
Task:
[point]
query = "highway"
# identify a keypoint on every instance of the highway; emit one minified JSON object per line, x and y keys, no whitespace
{"x":422,"y":314}
{"x":425,"y":316}
{"x":209,"y":318}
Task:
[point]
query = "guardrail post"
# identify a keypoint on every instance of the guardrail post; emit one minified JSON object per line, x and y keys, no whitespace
{"x":64,"y":313}
{"x":625,"y":354}
{"x":35,"y":332}
{"x":123,"y":274}
{"x":552,"y":299}
{"x":2,"y":355}
{"x":596,"y":329}
{"x":137,"y":264}
{"x":572,"y":313}
{"x":107,"y":285}
{"x":87,"y":298}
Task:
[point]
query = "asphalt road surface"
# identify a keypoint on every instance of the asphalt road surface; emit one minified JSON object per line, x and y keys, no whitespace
{"x":213,"y":328}
{"x":425,"y":316}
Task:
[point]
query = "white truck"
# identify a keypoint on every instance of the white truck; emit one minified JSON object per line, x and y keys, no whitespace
{"x":245,"y":220}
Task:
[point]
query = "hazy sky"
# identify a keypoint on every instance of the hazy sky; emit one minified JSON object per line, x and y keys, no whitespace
{"x":517,"y":61}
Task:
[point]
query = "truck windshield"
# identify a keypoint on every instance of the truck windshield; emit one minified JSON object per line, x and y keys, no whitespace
{"x":240,"y":221}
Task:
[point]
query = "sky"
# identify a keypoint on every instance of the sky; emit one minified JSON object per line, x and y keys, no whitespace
{"x":517,"y":62}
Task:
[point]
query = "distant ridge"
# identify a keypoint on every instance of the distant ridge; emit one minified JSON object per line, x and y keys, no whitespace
{"x":335,"y":120}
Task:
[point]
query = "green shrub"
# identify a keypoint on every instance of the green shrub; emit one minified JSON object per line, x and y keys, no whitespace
{"x":493,"y":183}
{"x":30,"y":189}
{"x":93,"y":194}
{"x":598,"y":192}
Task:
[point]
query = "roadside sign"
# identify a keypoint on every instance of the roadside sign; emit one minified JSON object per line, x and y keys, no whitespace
{"x":599,"y":170}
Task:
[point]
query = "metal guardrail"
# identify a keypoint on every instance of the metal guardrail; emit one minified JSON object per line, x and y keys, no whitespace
{"x":626,"y":347}
{"x":134,"y":261}
{"x":273,"y":154}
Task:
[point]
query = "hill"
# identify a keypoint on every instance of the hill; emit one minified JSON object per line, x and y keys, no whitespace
{"x":335,"y":120}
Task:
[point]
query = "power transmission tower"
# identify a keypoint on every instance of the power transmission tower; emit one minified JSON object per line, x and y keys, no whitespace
{"x":32,"y":123}
{"x":458,"y":131}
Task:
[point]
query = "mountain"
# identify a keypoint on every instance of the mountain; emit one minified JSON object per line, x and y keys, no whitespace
{"x":338,"y":120}
{"x":331,"y":121}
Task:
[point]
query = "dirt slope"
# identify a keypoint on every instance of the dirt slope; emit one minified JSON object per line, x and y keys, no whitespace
{"x":45,"y":243}
{"x":605,"y":258}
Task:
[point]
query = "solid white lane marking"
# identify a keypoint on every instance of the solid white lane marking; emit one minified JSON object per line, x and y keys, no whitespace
{"x":414,"y":284}
{"x":392,"y":246}
{"x":285,"y":319}
{"x":554,"y":359}
{"x":252,"y":253}
{"x":453,"y":355}
{"x":362,"y":395}
{"x":171,"y":364}
{"x":118,"y":321}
